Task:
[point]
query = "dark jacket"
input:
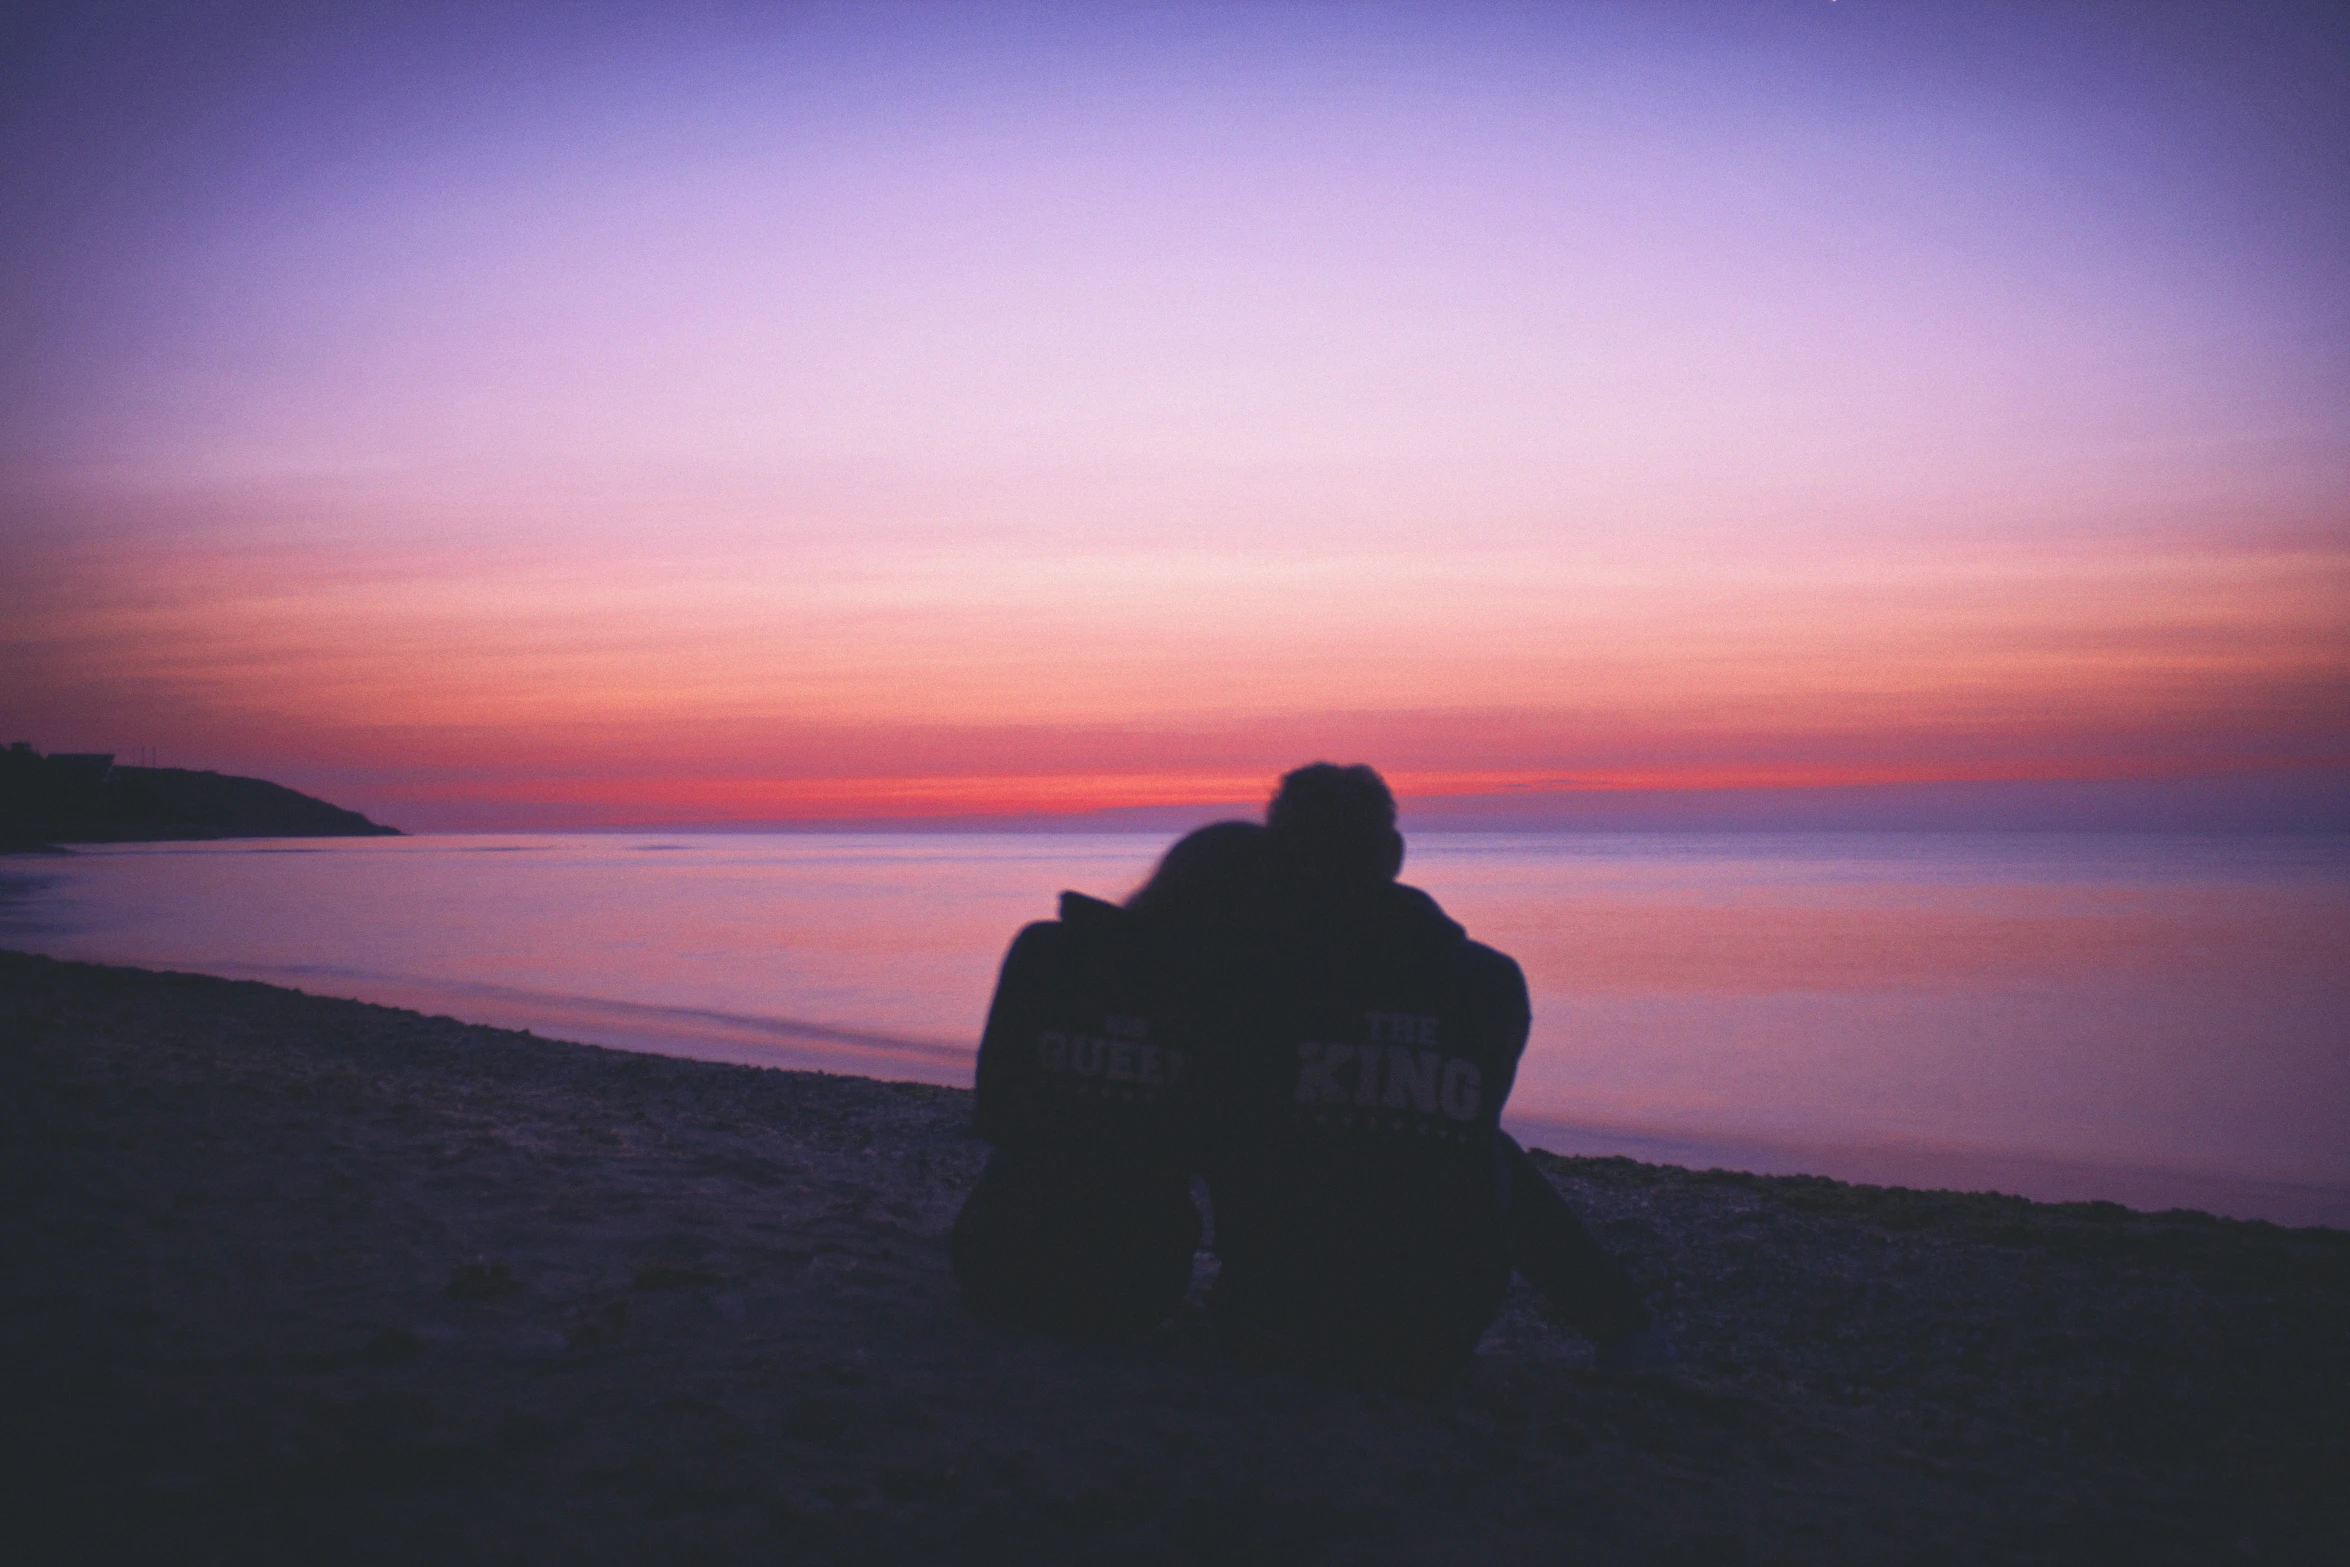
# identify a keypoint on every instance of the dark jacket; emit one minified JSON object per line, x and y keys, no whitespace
{"x":1089,"y":1086}
{"x":1359,"y":1215}
{"x":1085,"y":1051}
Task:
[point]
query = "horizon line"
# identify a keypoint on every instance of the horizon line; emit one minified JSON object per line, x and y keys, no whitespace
{"x":2298,"y":801}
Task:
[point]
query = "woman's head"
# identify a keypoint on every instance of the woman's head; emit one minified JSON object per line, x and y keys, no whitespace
{"x":1218,"y":873}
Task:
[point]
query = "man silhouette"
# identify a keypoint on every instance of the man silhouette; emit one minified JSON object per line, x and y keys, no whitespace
{"x":1369,"y":1209}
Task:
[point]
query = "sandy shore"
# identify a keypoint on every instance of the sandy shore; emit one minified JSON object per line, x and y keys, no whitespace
{"x":295,"y":1279}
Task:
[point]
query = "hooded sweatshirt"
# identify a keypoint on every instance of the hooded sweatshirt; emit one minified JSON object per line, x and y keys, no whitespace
{"x":1360,"y":1217}
{"x":1087,"y":1054}
{"x":1089,"y":1087}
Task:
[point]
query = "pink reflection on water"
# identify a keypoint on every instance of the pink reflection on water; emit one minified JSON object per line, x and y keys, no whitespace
{"x":2068,"y":1017}
{"x":2151,"y":1020}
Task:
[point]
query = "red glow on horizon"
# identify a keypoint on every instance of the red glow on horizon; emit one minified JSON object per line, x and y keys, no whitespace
{"x":692,"y":801}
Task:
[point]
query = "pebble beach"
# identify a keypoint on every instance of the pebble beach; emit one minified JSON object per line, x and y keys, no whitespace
{"x":300,"y":1279}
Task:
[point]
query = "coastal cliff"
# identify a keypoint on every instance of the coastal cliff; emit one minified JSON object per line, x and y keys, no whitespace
{"x":59,"y":799}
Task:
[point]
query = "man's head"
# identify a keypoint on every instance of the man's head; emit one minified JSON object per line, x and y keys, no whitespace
{"x":1336,"y":824}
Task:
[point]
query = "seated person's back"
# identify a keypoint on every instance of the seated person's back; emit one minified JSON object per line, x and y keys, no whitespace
{"x":1089,"y":1085}
{"x":1360,"y":1216}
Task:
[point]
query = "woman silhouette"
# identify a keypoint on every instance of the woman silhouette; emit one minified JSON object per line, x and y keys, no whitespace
{"x":1095,"y":1075}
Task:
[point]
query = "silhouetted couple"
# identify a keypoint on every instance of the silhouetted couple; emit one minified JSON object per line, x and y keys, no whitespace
{"x":1275,"y":1012}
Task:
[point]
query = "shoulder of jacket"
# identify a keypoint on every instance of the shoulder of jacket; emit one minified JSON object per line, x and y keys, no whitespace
{"x":1082,"y":911}
{"x":1422,"y":914}
{"x":1037,"y":942}
{"x":1498,"y":987}
{"x":1490,"y":959}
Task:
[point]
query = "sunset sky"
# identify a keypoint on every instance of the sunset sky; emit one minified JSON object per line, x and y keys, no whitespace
{"x":560,"y":415}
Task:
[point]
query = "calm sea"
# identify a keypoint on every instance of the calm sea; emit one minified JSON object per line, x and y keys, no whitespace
{"x":2154,"y":1020}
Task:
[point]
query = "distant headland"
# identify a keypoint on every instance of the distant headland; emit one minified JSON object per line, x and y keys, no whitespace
{"x":47,"y":801}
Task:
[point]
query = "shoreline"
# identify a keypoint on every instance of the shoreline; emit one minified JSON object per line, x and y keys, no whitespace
{"x":704,"y":1035}
{"x":303,"y":1278}
{"x":2037,"y":1177}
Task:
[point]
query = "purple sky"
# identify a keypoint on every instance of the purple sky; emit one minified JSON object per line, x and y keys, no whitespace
{"x":990,"y":404}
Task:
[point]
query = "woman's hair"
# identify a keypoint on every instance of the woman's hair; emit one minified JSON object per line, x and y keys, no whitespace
{"x":1219,"y":873}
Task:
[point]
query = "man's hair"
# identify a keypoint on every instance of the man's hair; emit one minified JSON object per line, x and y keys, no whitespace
{"x":1336,"y":823}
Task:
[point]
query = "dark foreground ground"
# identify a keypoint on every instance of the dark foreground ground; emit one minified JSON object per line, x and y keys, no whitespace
{"x":299,"y":1280}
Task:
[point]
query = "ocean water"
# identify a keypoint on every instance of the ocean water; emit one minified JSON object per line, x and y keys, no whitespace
{"x":2153,"y":1020}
